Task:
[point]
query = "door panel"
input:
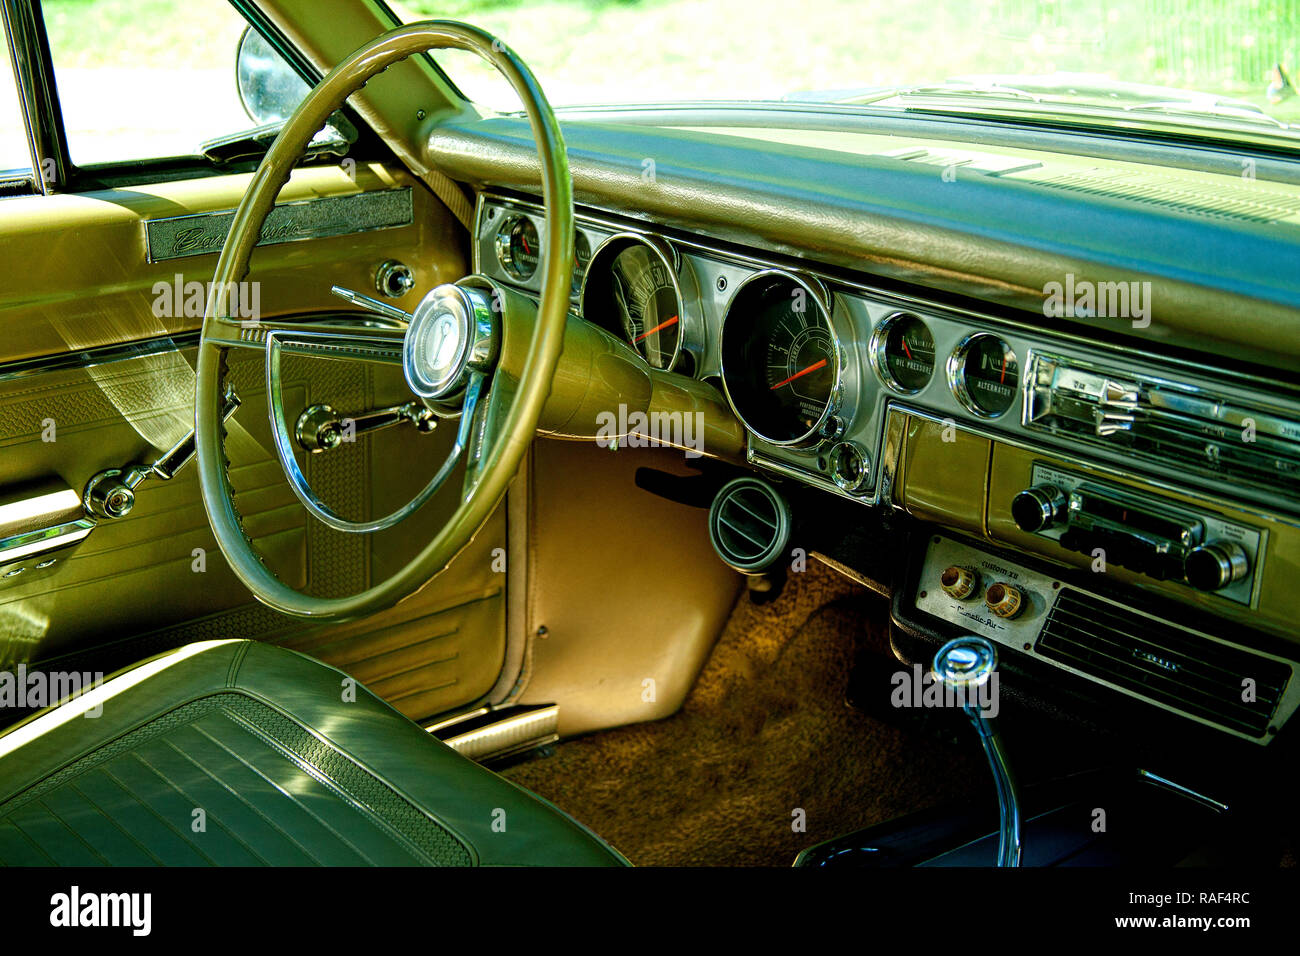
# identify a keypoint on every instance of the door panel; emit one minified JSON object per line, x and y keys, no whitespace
{"x":115,"y":381}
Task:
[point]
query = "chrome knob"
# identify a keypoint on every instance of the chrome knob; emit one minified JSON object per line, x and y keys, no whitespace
{"x":108,"y":495}
{"x":965,"y":662}
{"x":850,"y":468}
{"x":1215,"y":565}
{"x":1038,"y":508}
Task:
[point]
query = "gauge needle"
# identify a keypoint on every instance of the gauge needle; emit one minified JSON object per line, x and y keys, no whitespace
{"x":1003,"y":377}
{"x":906,"y":349}
{"x":658,"y":328}
{"x":800,"y":374}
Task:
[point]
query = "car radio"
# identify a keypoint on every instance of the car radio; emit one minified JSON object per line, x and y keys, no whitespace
{"x":1140,"y":533}
{"x":1249,"y":440}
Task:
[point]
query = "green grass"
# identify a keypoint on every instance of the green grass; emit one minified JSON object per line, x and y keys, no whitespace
{"x":611,"y":50}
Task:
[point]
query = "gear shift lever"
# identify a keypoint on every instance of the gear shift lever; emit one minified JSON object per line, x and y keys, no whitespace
{"x":963,"y":665}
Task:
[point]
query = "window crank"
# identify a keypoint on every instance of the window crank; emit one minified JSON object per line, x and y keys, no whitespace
{"x":111,"y":493}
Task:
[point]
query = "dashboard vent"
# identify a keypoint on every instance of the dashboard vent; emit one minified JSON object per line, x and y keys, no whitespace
{"x":1250,"y":202}
{"x":1163,"y":663}
{"x":1173,"y":425}
{"x":749,"y":524}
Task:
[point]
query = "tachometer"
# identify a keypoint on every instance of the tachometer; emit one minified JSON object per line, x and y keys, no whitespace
{"x":519,"y":247}
{"x":632,"y":291}
{"x":902,"y":349}
{"x":780,"y":358}
{"x":984,"y":374}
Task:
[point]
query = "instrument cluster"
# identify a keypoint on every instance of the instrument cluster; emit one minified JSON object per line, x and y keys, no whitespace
{"x":811,"y":363}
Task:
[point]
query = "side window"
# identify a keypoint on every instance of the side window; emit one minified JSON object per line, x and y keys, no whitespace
{"x":15,"y":157}
{"x":146,"y":80}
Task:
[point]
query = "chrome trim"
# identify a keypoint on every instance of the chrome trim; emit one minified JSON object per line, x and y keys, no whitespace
{"x":37,"y":95}
{"x":816,"y":292}
{"x":1188,"y":792}
{"x":176,"y":237}
{"x":298,"y":481}
{"x":392,"y":273}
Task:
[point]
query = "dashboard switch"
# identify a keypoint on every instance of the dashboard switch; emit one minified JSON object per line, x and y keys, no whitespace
{"x":959,"y":582}
{"x":1038,"y":508}
{"x":1004,"y":600}
{"x":1215,"y":565}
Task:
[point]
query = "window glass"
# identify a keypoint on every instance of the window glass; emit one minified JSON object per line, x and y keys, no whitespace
{"x":144,"y":79}
{"x":1231,"y":67}
{"x":14,"y":154}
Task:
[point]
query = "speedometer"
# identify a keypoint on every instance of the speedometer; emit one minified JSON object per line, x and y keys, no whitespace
{"x":632,"y":291}
{"x":780,"y":359}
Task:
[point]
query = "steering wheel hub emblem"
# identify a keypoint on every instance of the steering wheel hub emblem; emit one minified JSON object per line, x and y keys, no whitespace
{"x":450,"y":331}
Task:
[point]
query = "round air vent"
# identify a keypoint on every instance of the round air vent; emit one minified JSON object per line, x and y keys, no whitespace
{"x":749,"y":524}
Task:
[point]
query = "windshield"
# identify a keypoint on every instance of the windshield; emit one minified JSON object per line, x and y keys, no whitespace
{"x":1209,"y":64}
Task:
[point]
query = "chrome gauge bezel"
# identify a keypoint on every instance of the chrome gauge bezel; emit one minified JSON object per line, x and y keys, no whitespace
{"x":877,"y":350}
{"x":821,"y":298}
{"x":956,"y":374}
{"x":678,"y":274}
{"x":502,"y":244}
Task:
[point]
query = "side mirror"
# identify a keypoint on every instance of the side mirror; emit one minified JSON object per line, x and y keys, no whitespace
{"x":268,"y":87}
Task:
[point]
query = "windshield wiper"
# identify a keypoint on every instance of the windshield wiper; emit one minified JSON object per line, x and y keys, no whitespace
{"x":1180,"y":108}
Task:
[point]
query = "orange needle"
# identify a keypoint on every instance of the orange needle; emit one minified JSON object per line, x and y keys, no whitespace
{"x":906,"y":349}
{"x":811,"y":368}
{"x":657,"y":328}
{"x":1003,"y":377}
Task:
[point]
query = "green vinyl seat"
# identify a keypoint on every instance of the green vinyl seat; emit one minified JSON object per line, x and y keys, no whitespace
{"x":242,"y":753}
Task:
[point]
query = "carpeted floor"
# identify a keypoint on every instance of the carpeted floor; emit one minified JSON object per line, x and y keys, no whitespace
{"x":764,"y":732}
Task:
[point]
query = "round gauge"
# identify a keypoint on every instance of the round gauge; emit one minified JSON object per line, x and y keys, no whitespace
{"x":903,"y":351}
{"x":518,"y":247}
{"x":984,"y":374}
{"x":780,"y":359}
{"x":581,"y":257}
{"x":631,"y":290}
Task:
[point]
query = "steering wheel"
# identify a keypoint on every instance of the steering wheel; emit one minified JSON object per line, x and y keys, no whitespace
{"x":467,"y":346}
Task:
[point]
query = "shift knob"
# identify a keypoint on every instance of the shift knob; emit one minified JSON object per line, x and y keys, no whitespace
{"x":965,"y":662}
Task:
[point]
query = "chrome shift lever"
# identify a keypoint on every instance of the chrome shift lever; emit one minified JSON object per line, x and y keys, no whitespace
{"x":964,"y":665}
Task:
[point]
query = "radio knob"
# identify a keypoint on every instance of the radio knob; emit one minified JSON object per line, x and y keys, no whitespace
{"x":959,"y":582}
{"x":1004,"y":600}
{"x":1212,"y":566}
{"x":1038,"y":508}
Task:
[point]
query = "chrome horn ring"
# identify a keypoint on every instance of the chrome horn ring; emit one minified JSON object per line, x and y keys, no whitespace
{"x":448,"y":353}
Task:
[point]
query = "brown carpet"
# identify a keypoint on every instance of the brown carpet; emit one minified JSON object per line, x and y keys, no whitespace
{"x":765,"y":731}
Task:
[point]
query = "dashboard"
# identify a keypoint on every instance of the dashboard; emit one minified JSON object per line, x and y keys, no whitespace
{"x":1161,"y":476}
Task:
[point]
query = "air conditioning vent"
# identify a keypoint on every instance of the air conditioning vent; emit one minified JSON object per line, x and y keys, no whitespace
{"x":1163,"y":663}
{"x":749,"y":524}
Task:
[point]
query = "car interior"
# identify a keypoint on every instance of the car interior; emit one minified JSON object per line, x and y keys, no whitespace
{"x":899,"y":476}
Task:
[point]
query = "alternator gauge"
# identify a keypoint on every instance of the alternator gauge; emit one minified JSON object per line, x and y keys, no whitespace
{"x":984,"y":374}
